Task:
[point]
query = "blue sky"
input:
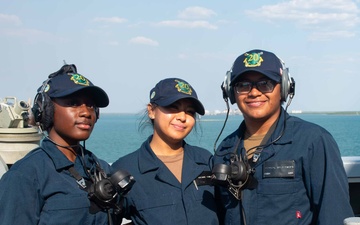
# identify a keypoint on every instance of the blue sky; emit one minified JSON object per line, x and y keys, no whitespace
{"x":126,"y":47}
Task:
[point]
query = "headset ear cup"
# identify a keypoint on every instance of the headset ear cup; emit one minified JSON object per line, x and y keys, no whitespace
{"x":37,"y":108}
{"x":43,"y":111}
{"x":97,"y":112}
{"x":231,"y":95}
{"x":47,"y":118}
{"x":228,"y":91}
{"x":39,"y":102}
{"x":292,"y":87}
{"x":285,"y":84}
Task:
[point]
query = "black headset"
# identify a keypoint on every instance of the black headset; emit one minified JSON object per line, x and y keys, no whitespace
{"x":287,"y":85}
{"x":42,"y":100}
{"x":39,"y":102}
{"x":239,"y":174}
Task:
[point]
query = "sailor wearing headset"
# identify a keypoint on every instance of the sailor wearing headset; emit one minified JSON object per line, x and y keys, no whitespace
{"x":61,"y":182}
{"x":276,"y":168}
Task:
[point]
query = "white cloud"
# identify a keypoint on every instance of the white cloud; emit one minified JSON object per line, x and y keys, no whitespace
{"x":318,"y":15}
{"x":187,"y":24}
{"x":191,"y":18}
{"x":29,"y":35}
{"x":144,"y":41}
{"x":324,"y":36}
{"x":32,"y":35}
{"x":110,"y":19}
{"x":196,"y":12}
{"x":10,"y":19}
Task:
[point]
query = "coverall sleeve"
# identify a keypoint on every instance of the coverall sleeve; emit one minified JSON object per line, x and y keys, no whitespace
{"x":328,"y":183}
{"x":19,"y":199}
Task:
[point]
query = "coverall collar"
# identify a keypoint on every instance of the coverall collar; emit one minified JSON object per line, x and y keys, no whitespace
{"x":59,"y":159}
{"x":148,"y":161}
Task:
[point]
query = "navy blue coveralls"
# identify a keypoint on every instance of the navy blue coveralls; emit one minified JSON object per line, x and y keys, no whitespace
{"x":313,"y":189}
{"x":158,"y":198}
{"x":38,"y":189}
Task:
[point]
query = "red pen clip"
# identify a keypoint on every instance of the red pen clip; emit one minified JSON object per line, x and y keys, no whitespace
{"x":298,"y":215}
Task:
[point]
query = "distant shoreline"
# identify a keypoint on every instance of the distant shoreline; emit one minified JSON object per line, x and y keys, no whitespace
{"x":331,"y":112}
{"x":302,"y":112}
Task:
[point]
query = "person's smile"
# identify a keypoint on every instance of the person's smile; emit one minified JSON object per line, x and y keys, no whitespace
{"x":178,"y":126}
{"x":255,"y":103}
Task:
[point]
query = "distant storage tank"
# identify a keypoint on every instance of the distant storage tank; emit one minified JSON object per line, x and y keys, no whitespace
{"x":17,"y":137}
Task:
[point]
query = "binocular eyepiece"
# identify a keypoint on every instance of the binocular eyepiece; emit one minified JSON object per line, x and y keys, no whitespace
{"x":236,"y":177}
{"x":106,"y":192}
{"x":235,"y":172}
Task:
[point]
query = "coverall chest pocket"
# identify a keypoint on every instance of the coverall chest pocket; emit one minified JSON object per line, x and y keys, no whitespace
{"x":157,"y":208}
{"x":205,"y":191}
{"x":59,"y":207}
{"x":67,"y":202}
{"x":278,"y":199}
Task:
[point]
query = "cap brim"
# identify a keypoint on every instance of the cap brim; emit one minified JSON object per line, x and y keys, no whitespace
{"x":168,"y":101}
{"x":99,"y":96}
{"x":271,"y":75}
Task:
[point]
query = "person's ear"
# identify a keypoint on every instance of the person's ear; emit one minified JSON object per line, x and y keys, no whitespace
{"x":151,"y":111}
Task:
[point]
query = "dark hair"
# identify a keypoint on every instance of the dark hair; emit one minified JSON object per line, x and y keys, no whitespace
{"x":145,"y":121}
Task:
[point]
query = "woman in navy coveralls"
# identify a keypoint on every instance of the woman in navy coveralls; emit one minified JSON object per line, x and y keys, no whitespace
{"x":296,"y":176}
{"x":165,"y":167}
{"x":39,"y":189}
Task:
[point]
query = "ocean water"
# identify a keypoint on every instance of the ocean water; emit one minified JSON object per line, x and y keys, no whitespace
{"x":116,"y":135}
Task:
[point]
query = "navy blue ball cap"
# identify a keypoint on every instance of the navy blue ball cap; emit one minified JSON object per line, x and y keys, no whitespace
{"x":257,"y":60}
{"x":170,"y":90}
{"x":67,"y":83}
